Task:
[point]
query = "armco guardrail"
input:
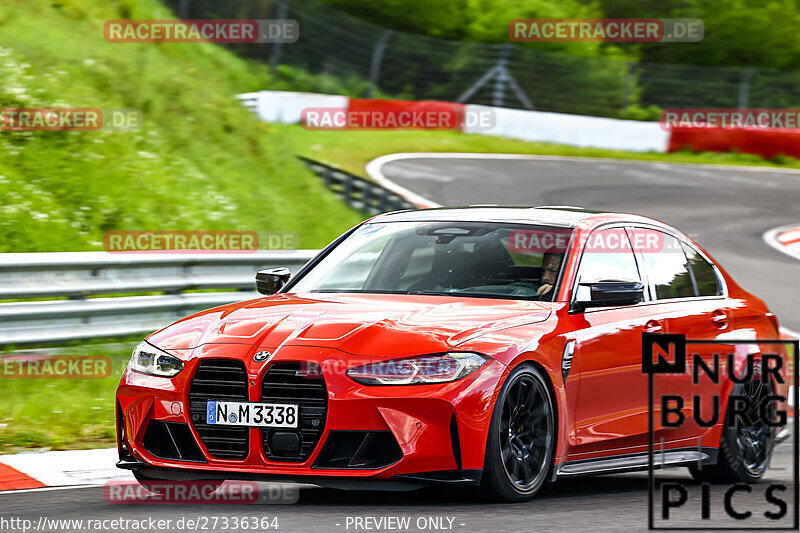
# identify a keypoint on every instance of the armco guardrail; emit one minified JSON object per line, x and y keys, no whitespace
{"x":357,"y":192}
{"x":87,"y":295}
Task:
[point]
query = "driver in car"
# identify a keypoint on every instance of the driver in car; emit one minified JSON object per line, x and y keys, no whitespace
{"x":551,"y":264}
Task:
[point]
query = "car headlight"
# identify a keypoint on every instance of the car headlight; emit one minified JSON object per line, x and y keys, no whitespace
{"x":439,"y":368}
{"x":147,"y":359}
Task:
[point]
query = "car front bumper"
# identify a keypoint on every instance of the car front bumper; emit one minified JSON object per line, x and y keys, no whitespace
{"x":414,"y":434}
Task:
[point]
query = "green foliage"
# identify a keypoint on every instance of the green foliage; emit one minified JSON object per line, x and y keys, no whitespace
{"x":290,"y":78}
{"x":737,"y":32}
{"x":635,"y":112}
{"x":475,"y":20}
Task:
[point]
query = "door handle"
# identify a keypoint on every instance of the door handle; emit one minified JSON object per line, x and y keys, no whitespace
{"x":652,"y":326}
{"x":720,"y":318}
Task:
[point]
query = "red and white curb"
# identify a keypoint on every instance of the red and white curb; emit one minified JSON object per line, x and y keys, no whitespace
{"x":785,"y":239}
{"x":67,"y":469}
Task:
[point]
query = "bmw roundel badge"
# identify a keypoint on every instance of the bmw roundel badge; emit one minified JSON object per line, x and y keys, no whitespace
{"x":260,"y":357}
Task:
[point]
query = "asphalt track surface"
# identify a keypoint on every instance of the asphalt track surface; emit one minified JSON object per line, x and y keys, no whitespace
{"x":726,"y":210}
{"x":603,"y":503}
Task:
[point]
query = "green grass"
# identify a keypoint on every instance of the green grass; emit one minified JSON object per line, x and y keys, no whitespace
{"x":61,"y":413}
{"x":351,"y":150}
{"x":200,"y":160}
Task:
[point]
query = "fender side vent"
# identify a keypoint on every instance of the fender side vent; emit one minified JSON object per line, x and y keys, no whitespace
{"x":455,"y":441}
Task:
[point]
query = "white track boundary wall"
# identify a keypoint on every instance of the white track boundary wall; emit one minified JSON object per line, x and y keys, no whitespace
{"x":575,"y":130}
{"x":285,"y":107}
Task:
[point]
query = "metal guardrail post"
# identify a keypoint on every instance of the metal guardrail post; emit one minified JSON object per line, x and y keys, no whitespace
{"x":347,"y":189}
{"x":366,"y":196}
{"x":383,"y":201}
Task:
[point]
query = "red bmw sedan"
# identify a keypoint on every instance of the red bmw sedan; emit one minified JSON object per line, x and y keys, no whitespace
{"x":496,"y":347}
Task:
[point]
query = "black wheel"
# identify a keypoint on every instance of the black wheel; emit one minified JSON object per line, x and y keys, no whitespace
{"x":747,"y":442}
{"x":522,"y":437}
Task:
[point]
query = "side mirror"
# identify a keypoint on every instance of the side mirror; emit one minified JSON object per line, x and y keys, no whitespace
{"x":271,"y":280}
{"x":609,"y":294}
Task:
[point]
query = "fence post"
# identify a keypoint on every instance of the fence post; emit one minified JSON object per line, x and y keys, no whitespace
{"x":377,"y":61}
{"x":744,"y":87}
{"x":183,"y":9}
{"x":275,"y":56}
{"x":502,"y":76}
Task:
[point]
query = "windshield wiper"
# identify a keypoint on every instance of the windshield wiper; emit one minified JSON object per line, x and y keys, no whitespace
{"x":437,"y":293}
{"x":360,"y":291}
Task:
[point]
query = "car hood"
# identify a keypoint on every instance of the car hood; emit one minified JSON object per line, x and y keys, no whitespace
{"x":362,"y":324}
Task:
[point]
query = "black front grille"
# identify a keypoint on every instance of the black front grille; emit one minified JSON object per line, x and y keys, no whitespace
{"x":286,"y":382}
{"x":219,"y":379}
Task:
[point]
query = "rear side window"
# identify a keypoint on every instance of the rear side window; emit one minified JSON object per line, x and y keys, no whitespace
{"x":667,"y":267}
{"x":704,"y":273}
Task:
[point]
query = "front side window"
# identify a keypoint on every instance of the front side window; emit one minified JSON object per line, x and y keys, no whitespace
{"x":499,"y":260}
{"x":607,"y":256}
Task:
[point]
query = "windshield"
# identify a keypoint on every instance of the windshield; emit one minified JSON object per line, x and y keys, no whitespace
{"x":500,"y":260}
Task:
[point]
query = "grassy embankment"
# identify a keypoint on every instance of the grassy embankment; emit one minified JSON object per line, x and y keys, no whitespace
{"x":200,"y":161}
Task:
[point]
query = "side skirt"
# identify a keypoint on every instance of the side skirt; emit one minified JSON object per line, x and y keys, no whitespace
{"x":637,"y":461}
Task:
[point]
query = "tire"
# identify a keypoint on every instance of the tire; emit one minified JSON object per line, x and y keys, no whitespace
{"x":521,"y":441}
{"x":744,"y":450}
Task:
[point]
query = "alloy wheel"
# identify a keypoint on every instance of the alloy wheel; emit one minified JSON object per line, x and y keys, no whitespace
{"x":526,"y":432}
{"x":755,"y":439}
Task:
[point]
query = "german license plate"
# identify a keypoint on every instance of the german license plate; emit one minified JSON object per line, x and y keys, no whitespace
{"x":269,"y":415}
